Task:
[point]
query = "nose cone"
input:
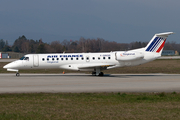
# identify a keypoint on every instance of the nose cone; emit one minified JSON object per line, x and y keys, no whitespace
{"x":13,"y":65}
{"x":6,"y":66}
{"x":10,"y":65}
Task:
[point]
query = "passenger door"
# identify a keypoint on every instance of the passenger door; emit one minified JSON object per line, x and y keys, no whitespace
{"x":35,"y":60}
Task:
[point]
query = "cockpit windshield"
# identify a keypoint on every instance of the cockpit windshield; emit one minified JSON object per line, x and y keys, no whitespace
{"x":25,"y":58}
{"x":22,"y":58}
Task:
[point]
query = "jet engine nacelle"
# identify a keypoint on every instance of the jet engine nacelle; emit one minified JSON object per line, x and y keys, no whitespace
{"x":127,"y":56}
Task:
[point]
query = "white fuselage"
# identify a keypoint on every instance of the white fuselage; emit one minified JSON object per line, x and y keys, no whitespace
{"x":94,"y":62}
{"x":81,"y":61}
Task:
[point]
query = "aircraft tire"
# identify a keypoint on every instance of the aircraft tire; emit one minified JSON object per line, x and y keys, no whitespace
{"x":101,"y":74}
{"x":17,"y":74}
{"x":94,"y":73}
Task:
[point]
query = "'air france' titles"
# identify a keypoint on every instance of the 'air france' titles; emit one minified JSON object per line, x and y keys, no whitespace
{"x":55,"y":56}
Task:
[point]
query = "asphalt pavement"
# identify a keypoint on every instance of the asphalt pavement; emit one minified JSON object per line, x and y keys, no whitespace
{"x":78,"y":83}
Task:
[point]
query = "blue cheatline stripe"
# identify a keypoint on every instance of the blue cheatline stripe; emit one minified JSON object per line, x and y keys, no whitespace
{"x":155,"y":45}
{"x":158,"y":44}
{"x":152,"y":43}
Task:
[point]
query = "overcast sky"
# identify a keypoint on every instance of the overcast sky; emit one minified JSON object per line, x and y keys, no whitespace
{"x":122,"y":21}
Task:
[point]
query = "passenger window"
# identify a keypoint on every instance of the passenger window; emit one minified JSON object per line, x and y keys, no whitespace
{"x":47,"y":59}
{"x":61,"y":58}
{"x":57,"y":58}
{"x":93,"y":58}
{"x":98,"y":58}
{"x":76,"y":58}
{"x":42,"y":59}
{"x":104,"y":58}
{"x":66,"y":58}
{"x":109,"y":57}
{"x":52,"y":58}
{"x":82,"y":58}
{"x":71,"y":58}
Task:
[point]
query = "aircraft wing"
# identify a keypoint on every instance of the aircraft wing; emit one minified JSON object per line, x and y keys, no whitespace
{"x":96,"y":65}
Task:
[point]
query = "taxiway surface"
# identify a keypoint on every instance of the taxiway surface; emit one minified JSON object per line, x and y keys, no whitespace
{"x":53,"y":83}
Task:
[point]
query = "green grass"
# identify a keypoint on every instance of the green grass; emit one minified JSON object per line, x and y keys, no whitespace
{"x":108,"y":106}
{"x":90,"y":106}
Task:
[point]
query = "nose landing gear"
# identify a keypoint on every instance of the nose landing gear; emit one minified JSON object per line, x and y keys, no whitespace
{"x":17,"y":74}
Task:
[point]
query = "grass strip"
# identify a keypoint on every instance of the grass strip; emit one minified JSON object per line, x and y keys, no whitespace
{"x":83,"y":106}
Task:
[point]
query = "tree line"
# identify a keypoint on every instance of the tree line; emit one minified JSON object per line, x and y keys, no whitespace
{"x":24,"y":45}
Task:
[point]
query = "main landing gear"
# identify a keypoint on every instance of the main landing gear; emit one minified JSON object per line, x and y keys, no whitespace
{"x":100,"y":74}
{"x":97,"y":72}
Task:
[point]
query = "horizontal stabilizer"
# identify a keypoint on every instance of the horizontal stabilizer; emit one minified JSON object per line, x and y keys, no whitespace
{"x":164,"y":34}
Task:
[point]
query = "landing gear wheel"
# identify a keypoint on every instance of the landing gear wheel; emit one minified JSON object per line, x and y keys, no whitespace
{"x":101,"y":74}
{"x":94,"y":73}
{"x":17,"y":74}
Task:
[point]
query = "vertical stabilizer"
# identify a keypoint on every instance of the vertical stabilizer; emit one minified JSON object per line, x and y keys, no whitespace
{"x":156,"y":44}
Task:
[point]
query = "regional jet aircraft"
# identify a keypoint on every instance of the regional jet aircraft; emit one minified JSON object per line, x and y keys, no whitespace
{"x":95,"y":62}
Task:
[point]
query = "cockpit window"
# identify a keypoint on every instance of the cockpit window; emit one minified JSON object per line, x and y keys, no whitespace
{"x":25,"y":58}
{"x":22,"y":58}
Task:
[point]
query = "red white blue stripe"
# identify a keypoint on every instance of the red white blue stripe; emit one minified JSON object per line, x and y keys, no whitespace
{"x":156,"y":45}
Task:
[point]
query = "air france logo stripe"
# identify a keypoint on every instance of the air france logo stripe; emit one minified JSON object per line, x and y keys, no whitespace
{"x":151,"y":44}
{"x":156,"y":45}
{"x":160,"y":48}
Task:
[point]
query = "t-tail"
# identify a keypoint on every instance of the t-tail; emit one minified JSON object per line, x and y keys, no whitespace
{"x":156,"y":44}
